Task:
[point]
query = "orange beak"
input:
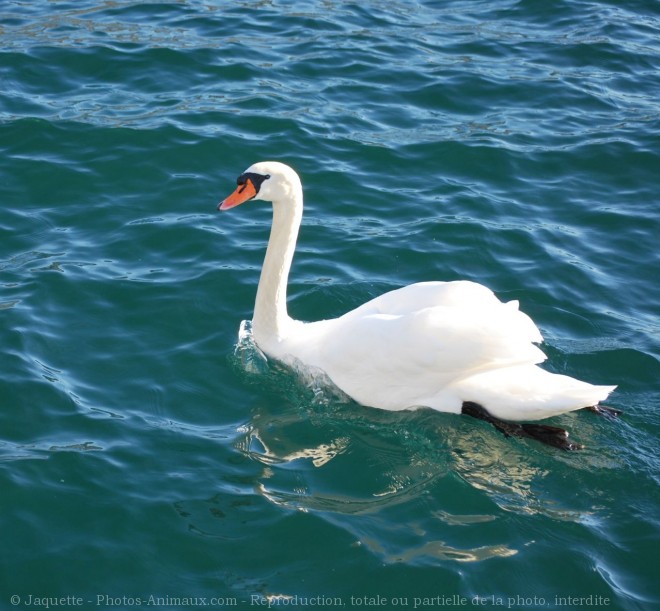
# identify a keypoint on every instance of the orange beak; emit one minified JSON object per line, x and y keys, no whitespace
{"x":243,"y":193}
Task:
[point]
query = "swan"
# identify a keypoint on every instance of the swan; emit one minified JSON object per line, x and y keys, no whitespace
{"x":450,"y":346}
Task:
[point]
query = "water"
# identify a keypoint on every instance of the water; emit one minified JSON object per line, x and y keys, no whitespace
{"x":511,"y":143}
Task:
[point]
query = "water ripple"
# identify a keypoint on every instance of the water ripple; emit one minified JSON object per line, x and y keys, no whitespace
{"x":505,"y":142}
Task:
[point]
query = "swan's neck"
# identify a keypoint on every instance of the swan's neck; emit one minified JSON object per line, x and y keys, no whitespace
{"x":271,"y":321}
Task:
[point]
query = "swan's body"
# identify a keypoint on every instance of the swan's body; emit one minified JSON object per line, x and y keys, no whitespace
{"x":434,"y":344}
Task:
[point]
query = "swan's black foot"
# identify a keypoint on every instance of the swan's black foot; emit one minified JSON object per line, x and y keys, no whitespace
{"x":550,"y":435}
{"x":604,"y":410}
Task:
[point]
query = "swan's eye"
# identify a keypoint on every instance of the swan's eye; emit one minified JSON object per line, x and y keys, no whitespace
{"x":254,"y":178}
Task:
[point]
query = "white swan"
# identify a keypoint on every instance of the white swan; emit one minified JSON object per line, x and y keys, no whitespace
{"x":450,"y":346}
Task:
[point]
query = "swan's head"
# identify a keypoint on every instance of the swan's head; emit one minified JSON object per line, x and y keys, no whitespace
{"x":271,"y":181}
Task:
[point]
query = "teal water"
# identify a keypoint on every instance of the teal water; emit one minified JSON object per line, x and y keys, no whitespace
{"x":513,"y":143}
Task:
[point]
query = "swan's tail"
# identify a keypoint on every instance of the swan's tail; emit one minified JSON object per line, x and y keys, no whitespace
{"x":527,"y":392}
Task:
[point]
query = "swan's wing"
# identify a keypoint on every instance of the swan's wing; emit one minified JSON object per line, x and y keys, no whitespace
{"x":409,"y":344}
{"x":448,"y":326}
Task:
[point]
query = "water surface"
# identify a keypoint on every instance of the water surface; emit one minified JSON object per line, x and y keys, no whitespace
{"x":510,"y":143}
